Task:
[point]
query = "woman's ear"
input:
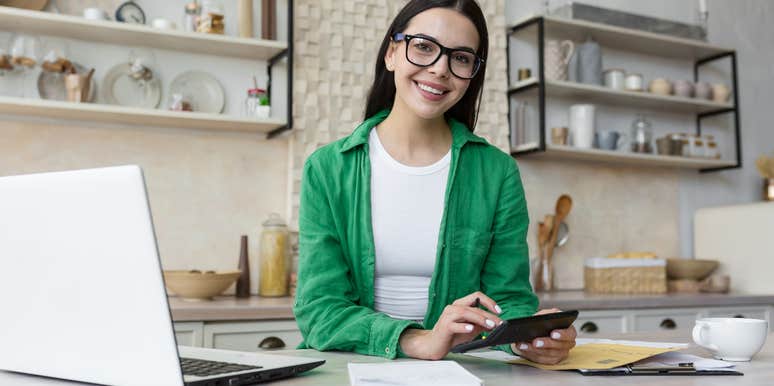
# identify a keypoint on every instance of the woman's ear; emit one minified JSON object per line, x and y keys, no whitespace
{"x":389,"y":57}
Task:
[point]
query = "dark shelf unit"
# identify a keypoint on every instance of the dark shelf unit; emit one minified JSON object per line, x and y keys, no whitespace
{"x":540,"y":22}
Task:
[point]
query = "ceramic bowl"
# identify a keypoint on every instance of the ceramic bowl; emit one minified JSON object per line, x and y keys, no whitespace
{"x":199,"y":285}
{"x":695,"y":269}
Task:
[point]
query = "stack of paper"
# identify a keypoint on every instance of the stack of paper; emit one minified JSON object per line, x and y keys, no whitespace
{"x":411,"y":373}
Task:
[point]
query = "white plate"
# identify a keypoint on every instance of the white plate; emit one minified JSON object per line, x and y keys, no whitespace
{"x":201,"y":90}
{"x":121,"y":89}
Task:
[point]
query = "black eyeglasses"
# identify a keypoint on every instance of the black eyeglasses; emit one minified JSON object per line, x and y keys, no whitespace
{"x":424,"y":51}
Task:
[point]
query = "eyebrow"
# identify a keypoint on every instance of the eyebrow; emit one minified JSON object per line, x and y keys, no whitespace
{"x":436,"y":40}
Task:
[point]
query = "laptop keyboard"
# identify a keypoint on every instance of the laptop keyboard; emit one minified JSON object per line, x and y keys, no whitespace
{"x":204,"y":368}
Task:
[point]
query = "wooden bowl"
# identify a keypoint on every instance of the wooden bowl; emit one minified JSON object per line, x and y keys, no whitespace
{"x":695,"y":269}
{"x":199,"y":285}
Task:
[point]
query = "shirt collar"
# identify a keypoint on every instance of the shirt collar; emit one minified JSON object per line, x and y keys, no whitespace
{"x":460,"y":133}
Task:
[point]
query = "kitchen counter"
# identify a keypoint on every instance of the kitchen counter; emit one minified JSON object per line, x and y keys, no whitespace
{"x":260,"y":308}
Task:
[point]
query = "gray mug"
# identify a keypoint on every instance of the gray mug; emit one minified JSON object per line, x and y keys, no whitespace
{"x":608,"y":140}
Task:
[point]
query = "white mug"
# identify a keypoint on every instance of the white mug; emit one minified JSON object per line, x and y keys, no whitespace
{"x":162,"y":23}
{"x":94,"y":14}
{"x":582,"y":123}
{"x":731,"y":339}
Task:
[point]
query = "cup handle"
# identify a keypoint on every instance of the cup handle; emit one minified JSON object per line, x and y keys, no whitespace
{"x":570,"y":48}
{"x":698,"y":337}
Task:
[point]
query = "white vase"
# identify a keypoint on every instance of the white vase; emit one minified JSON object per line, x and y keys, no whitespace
{"x":582,"y":124}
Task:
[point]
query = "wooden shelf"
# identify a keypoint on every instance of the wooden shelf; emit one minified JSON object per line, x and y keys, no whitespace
{"x":111,"y":32}
{"x":603,"y":95}
{"x":621,"y":157}
{"x":134,"y":116}
{"x":629,"y":39}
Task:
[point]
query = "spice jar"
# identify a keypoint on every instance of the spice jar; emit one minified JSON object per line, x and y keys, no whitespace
{"x":711,"y":150}
{"x":211,"y":19}
{"x":257,"y":104}
{"x":191,"y":16}
{"x":274,"y":258}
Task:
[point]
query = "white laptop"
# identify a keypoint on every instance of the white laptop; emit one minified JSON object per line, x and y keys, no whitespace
{"x":82,"y":292}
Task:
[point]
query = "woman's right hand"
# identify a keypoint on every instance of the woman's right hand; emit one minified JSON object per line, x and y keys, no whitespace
{"x":460,"y":322}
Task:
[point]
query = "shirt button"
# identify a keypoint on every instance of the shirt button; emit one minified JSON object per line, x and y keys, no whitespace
{"x":387,"y":350}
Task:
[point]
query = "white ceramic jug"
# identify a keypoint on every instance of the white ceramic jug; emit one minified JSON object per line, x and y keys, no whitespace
{"x":556,"y":56}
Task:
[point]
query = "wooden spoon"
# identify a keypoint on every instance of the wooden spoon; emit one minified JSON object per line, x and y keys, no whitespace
{"x":563,"y":207}
{"x":542,"y":238}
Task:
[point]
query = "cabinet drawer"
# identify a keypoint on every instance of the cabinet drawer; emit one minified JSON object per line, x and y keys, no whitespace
{"x":739,"y":312}
{"x":189,"y":333}
{"x":600,"y":325}
{"x":248,"y":336}
{"x":666,"y":321}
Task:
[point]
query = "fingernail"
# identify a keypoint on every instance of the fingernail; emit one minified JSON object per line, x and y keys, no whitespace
{"x":539,"y":343}
{"x":501,"y":322}
{"x":523,"y":346}
{"x":469,"y":327}
{"x":498,"y":309}
{"x":556,"y":335}
{"x":490,"y":323}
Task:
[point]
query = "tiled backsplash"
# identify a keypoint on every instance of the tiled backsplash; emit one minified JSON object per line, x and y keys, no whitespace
{"x":615,"y":208}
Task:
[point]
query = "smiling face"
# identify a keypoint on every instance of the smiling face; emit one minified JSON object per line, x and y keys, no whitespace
{"x":430,"y":91}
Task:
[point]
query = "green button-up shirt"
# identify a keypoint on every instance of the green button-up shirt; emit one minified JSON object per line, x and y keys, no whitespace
{"x":481,"y":245}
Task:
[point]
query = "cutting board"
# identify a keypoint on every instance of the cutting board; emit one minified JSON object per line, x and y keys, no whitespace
{"x":741,"y":237}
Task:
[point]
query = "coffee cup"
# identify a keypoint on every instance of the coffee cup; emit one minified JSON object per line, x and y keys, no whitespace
{"x":162,"y":23}
{"x":731,"y":339}
{"x":609,"y":140}
{"x":94,"y":13}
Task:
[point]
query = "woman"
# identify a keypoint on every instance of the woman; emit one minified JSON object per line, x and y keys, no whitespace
{"x":412,"y":221}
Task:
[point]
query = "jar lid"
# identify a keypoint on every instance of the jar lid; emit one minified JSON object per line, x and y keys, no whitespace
{"x":274,"y":220}
{"x":255,"y":91}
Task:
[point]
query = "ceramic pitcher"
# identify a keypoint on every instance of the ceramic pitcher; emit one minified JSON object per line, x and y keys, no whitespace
{"x":556,"y":56}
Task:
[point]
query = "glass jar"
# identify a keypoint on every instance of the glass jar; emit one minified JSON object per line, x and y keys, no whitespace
{"x":256,"y":104}
{"x":642,"y":135}
{"x":698,"y":149}
{"x":191,"y":16}
{"x":275,"y":261}
{"x":211,"y":19}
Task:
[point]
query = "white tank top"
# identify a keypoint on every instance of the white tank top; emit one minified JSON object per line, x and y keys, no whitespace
{"x":406,"y":208}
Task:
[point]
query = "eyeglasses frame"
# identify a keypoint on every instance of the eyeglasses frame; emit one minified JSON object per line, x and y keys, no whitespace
{"x":399,"y":37}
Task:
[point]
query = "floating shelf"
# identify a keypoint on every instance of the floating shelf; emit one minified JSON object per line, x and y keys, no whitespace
{"x":621,"y":157}
{"x":630,"y":39}
{"x":111,"y":32}
{"x":605,"y":95}
{"x":134,"y":116}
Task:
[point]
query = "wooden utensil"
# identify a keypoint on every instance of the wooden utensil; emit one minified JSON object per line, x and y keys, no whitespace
{"x":542,"y":238}
{"x":563,"y":207}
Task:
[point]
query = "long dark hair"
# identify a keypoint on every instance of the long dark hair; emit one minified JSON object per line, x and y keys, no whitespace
{"x":382,"y":93}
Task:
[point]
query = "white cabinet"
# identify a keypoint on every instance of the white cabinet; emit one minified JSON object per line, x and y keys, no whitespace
{"x":189,"y":333}
{"x":592,"y":323}
{"x":252,"y":336}
{"x":664,"y":319}
{"x":753,"y":312}
{"x":240,"y":336}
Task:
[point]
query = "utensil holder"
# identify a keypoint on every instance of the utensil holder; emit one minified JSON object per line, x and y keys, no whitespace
{"x":768,"y":189}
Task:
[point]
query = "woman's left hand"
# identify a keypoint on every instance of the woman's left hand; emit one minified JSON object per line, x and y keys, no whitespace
{"x":548,"y":350}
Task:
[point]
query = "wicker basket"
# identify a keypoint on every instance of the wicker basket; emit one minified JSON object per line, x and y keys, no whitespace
{"x":626,"y":280}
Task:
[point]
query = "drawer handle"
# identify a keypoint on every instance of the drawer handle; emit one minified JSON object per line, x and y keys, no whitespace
{"x":589,"y":327}
{"x":668,"y":324}
{"x":739,"y":316}
{"x":271,"y":343}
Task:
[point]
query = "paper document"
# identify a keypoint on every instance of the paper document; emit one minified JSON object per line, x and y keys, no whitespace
{"x":676,"y":358}
{"x":598,"y":354}
{"x":411,"y":373}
